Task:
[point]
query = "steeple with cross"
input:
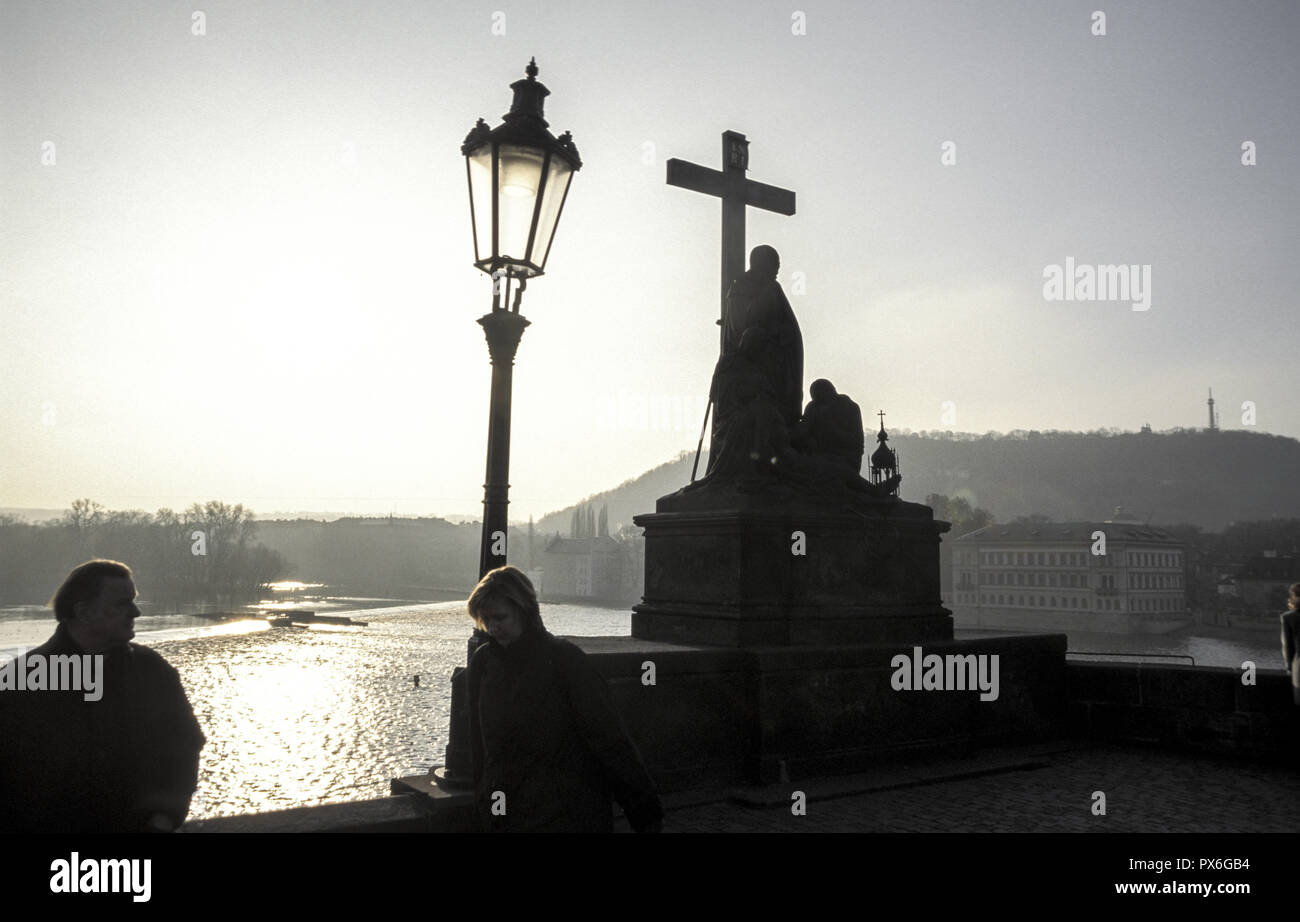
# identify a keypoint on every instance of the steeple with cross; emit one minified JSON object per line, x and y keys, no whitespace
{"x":884,"y":460}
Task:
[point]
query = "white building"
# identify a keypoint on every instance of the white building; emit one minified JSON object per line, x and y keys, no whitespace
{"x":1051,"y":577}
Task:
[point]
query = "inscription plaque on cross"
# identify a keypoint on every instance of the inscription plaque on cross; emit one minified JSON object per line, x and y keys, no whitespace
{"x":736,"y":193}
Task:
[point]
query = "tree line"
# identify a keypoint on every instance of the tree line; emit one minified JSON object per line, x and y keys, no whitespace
{"x":206,"y":553}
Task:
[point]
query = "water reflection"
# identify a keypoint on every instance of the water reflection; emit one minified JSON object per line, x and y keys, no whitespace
{"x":292,"y":585}
{"x":238,"y":627}
{"x":296,"y":717}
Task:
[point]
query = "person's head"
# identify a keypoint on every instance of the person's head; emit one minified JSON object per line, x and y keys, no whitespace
{"x":821,"y":390}
{"x":96,"y":604}
{"x":764,"y":261}
{"x":1293,"y":602}
{"x":504,"y":605}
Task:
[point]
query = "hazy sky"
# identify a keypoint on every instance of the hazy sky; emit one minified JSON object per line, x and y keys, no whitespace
{"x":237,"y":265}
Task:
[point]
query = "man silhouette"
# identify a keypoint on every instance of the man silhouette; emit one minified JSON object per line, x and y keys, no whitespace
{"x":124,"y":759}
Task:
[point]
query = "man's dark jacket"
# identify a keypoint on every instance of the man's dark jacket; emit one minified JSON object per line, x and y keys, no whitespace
{"x":72,"y":765}
{"x":545,"y":735}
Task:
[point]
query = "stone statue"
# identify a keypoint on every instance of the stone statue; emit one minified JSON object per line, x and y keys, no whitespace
{"x":831,"y":427}
{"x":760,"y":440}
{"x":749,"y":431}
{"x":829,"y":444}
{"x":754,"y":450}
{"x":757,"y":300}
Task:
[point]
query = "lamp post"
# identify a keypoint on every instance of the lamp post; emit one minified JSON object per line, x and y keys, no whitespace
{"x":519,"y":176}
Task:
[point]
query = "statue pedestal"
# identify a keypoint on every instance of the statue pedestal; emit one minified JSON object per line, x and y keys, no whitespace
{"x":775,"y":621}
{"x":717,"y":716}
{"x":732,"y":569}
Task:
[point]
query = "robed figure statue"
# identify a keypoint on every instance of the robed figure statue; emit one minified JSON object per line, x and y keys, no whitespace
{"x":756,"y":301}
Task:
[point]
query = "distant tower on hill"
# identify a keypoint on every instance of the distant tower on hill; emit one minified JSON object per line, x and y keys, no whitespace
{"x":1214,"y":418}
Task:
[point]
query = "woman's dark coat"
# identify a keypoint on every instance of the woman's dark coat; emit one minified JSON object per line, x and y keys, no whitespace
{"x":549,"y":749}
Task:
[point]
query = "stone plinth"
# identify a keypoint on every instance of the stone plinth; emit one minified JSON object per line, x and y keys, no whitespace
{"x":739,"y":570}
{"x":716,"y":716}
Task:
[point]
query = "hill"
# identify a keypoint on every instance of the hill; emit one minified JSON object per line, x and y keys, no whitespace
{"x":1210,"y":479}
{"x":632,"y":497}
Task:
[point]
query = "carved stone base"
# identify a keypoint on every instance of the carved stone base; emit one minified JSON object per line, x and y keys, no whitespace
{"x":740,"y":570}
{"x":717,"y":716}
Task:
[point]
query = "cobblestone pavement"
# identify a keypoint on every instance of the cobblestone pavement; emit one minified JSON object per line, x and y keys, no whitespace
{"x":1146,"y":790}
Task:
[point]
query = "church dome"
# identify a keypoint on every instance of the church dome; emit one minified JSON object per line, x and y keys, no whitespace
{"x":883,"y":456}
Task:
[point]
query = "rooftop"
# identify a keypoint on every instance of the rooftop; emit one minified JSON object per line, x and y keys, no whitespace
{"x":600,"y":543}
{"x":1074,"y":532}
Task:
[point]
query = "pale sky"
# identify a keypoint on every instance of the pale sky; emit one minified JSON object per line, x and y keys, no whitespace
{"x":237,"y":265}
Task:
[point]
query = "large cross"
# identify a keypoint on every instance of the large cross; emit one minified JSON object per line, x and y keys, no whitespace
{"x":736,"y":192}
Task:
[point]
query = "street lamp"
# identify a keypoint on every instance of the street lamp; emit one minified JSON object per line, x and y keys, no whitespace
{"x":519,"y":176}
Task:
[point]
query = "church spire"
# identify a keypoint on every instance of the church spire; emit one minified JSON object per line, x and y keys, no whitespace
{"x":884,"y":460}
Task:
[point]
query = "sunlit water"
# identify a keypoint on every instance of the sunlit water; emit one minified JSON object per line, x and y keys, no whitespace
{"x":297,"y":716}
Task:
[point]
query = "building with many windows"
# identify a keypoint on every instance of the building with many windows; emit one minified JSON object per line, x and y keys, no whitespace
{"x":1118,"y":577}
{"x":599,"y":569}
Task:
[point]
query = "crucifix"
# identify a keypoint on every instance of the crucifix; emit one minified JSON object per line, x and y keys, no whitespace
{"x":736,"y":193}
